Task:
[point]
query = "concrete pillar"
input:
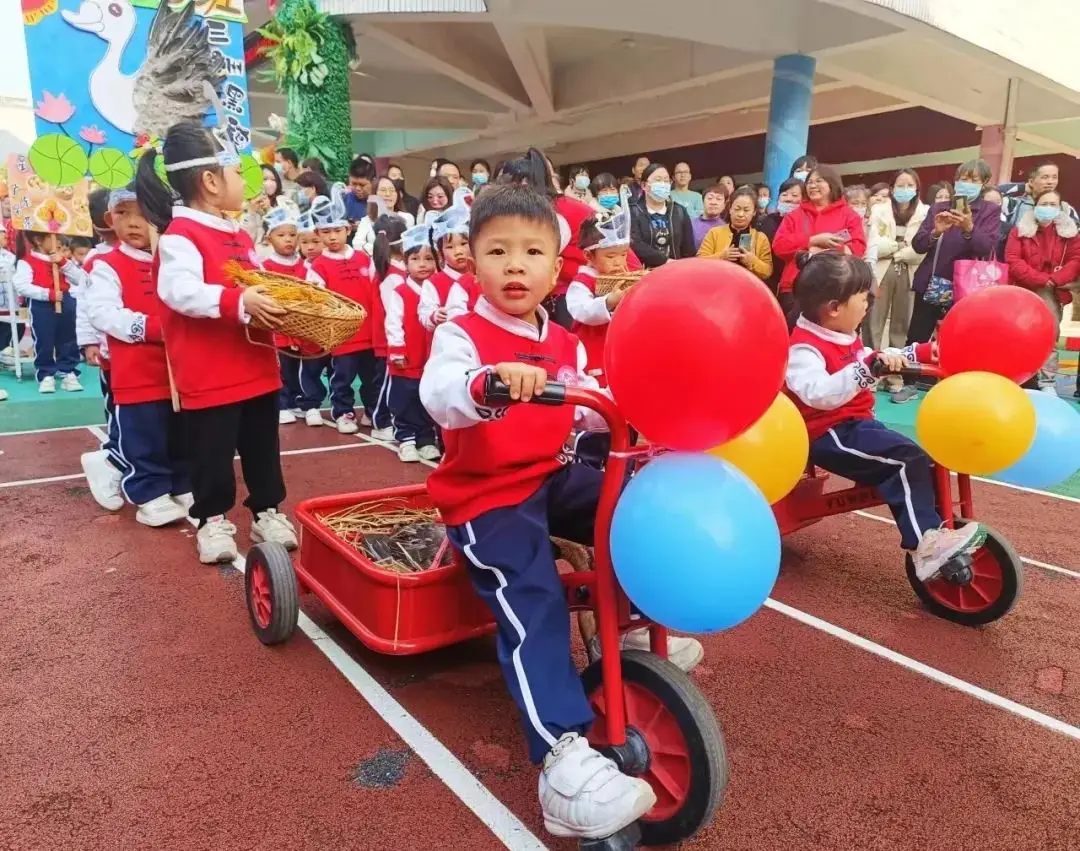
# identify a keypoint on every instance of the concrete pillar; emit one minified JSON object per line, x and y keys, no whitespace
{"x":998,"y":142}
{"x":789,"y":116}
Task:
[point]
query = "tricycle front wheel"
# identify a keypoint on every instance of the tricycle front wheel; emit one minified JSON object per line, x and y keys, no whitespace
{"x":273,"y":600}
{"x":685,"y":760}
{"x":997,"y":580}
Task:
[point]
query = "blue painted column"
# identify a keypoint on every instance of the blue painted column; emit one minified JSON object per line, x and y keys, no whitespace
{"x":789,"y":116}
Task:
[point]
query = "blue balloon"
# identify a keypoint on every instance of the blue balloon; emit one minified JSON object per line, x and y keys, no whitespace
{"x":694,"y":543}
{"x":1055,"y":453}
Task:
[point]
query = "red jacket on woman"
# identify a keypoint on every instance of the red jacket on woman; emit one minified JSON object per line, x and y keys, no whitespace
{"x":806,"y":221}
{"x":1048,"y":256}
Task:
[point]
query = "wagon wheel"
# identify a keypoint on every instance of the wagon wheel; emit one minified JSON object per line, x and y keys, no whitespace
{"x":997,"y":581}
{"x":685,"y":759}
{"x":271,"y":592}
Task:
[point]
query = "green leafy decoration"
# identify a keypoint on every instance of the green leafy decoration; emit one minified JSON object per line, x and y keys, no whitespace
{"x":58,"y":159}
{"x":309,"y":58}
{"x":251,"y":171}
{"x":111,"y":168}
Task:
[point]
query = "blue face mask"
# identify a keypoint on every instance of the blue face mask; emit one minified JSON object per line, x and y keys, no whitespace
{"x":763,"y":203}
{"x":660,"y":191}
{"x":904,"y":194}
{"x":785,"y":207}
{"x":967,"y":189}
{"x":608,"y":202}
{"x":479,"y":179}
{"x":1045,"y":215}
{"x":801,"y":174}
{"x":581,"y":182}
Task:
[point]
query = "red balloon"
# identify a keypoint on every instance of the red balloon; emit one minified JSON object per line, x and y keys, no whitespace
{"x":696,"y":353}
{"x":1005,"y":330}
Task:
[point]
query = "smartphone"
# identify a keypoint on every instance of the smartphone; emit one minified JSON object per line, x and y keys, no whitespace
{"x":843,"y":236}
{"x":745,"y":242}
{"x":960,"y":205}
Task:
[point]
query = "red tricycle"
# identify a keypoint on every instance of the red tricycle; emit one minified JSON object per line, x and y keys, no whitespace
{"x":972,"y":590}
{"x":650,"y":718}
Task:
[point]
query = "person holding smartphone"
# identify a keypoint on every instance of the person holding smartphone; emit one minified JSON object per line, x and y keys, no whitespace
{"x":737,"y":241}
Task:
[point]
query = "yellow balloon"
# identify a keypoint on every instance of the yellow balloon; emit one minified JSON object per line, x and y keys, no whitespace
{"x":773,"y":451}
{"x":976,"y":422}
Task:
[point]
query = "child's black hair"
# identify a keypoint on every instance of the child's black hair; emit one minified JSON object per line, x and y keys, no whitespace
{"x":80,"y":242}
{"x":530,"y":170}
{"x":98,"y":201}
{"x":829,"y":277}
{"x":388,"y":229}
{"x":519,"y":201}
{"x":27,"y":241}
{"x":187,"y":141}
{"x":361,"y":168}
{"x":590,"y":234}
{"x":313,"y":180}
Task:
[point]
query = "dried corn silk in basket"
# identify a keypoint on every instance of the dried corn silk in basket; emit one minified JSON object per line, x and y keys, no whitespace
{"x":396,"y":537}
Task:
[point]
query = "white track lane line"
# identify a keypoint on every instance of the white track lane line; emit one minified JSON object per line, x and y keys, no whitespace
{"x":44,"y":481}
{"x":1040,"y":564}
{"x":979,"y":693}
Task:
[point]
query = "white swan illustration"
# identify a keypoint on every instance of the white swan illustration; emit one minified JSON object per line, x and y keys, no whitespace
{"x":168,"y":87}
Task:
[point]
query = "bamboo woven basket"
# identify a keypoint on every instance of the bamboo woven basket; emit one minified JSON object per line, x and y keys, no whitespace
{"x":611,"y":283}
{"x":313,"y":314}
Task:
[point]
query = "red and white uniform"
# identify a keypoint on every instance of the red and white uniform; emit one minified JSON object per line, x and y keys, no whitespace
{"x":122,"y":303}
{"x":349,"y":274}
{"x":33,"y":277}
{"x":406,"y":337}
{"x":438,"y":290}
{"x":497,"y":457}
{"x":591,"y":319}
{"x":829,"y":378}
{"x":463,"y":296}
{"x":294,"y":267}
{"x":395,"y":277}
{"x":213,"y":362}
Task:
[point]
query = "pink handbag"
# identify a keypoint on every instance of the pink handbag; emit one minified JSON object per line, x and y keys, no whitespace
{"x":972,"y":276}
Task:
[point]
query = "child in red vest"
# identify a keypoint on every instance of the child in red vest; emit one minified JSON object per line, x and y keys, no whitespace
{"x":122,"y":304}
{"x":605,"y":241}
{"x":505,"y":485}
{"x":450,"y":236}
{"x":829,"y":378}
{"x":227,"y":384}
{"x":312,"y":370}
{"x":45,"y":278}
{"x":345,"y":270}
{"x":281,"y":233}
{"x":390,"y":273}
{"x":407,"y":344}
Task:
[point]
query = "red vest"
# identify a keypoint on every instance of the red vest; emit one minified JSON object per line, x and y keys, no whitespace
{"x":378,"y":309}
{"x":468,"y":283}
{"x":296,"y":269}
{"x":139,"y":371}
{"x":442,"y":282}
{"x":592,"y":337}
{"x":88,"y":267}
{"x":837,"y":356}
{"x":416,"y":336}
{"x":352,"y":279}
{"x":43,"y":274}
{"x":213,"y":362}
{"x":505,"y":460}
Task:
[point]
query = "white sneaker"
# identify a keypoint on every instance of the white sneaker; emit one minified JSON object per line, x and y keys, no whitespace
{"x":940,"y":546}
{"x":185,"y":501}
{"x":47,"y":385}
{"x":684,"y":652}
{"x":430,"y":453}
{"x":313,"y":417}
{"x":408,"y":453}
{"x":160,"y":512}
{"x":384,"y":434}
{"x":365,"y":420}
{"x":275,"y":528}
{"x":215,"y":541}
{"x":286,"y":417}
{"x":3,"y":395}
{"x":103,"y":479}
{"x":346,"y":424}
{"x":70,"y":383}
{"x":583,"y":794}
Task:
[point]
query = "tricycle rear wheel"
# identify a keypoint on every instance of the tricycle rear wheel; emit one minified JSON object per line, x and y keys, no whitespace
{"x":687,"y":760}
{"x":996,"y":584}
{"x":273,"y":600}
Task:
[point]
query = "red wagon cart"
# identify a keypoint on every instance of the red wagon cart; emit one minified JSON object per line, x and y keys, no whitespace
{"x":650,"y":718}
{"x":972,"y":590}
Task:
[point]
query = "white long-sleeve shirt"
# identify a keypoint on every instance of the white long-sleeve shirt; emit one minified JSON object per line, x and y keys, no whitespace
{"x":583,"y":306}
{"x":395,"y":314}
{"x":105,"y":303}
{"x":445,"y":388}
{"x":23,"y":279}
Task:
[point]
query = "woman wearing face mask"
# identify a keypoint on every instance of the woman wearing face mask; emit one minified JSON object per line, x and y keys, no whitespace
{"x":892,"y":225}
{"x":954,"y":230}
{"x":737,"y":241}
{"x":788,"y":199}
{"x":801,"y":168}
{"x":386,"y":191}
{"x":1043,"y":253}
{"x":578,"y":186}
{"x":605,"y":192}
{"x":659,"y":228}
{"x":481,"y":174}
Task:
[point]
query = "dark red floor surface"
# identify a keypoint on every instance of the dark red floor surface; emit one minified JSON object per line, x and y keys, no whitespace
{"x":138,"y":710}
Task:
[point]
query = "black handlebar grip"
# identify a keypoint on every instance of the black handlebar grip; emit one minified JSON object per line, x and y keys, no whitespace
{"x":497,"y":393}
{"x":878,"y":369}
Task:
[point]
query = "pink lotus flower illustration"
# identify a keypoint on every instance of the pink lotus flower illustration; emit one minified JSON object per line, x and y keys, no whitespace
{"x":54,"y":109}
{"x":92,"y":135}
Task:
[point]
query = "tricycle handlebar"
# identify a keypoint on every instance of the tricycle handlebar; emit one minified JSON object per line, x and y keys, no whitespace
{"x":928,"y":370}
